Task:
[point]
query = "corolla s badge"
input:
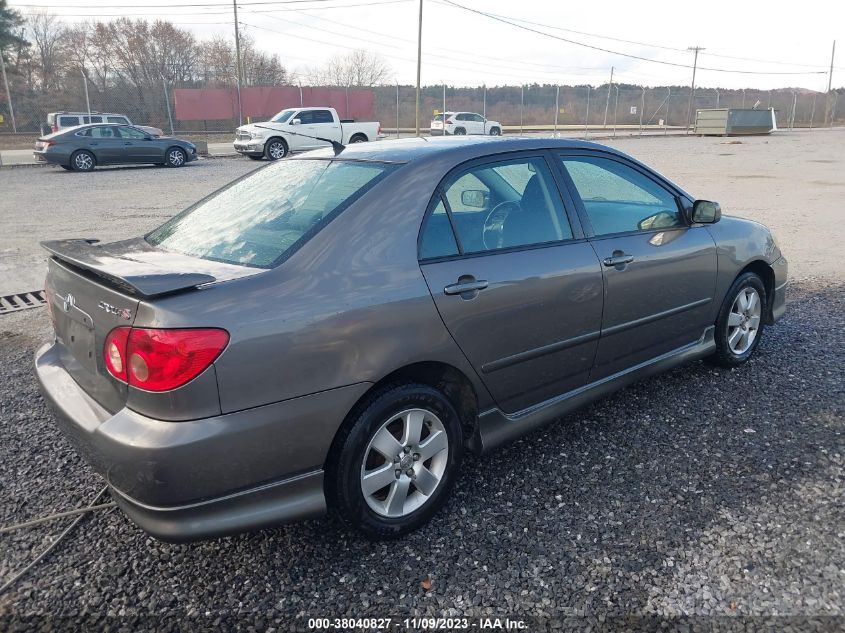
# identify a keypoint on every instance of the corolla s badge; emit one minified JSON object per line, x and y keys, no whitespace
{"x":123,"y":313}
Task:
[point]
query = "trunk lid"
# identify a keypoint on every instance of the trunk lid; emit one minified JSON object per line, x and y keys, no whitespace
{"x":92,"y":289}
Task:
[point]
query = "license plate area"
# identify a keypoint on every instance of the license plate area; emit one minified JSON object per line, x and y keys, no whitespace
{"x":79,"y":341}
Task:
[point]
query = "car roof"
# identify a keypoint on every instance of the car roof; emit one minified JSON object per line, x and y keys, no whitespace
{"x":406,"y":150}
{"x":75,"y":128}
{"x":93,"y":113}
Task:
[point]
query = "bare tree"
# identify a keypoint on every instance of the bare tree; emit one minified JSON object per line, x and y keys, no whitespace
{"x":360,"y":68}
{"x":47,"y":34}
{"x":218,"y":60}
{"x":260,"y":68}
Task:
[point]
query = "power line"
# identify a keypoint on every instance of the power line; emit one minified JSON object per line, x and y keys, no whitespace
{"x":501,"y":63}
{"x":646,"y":44}
{"x":169,"y":6}
{"x":155,"y":8}
{"x":396,"y":57}
{"x":449,"y":50}
{"x":620,"y":54}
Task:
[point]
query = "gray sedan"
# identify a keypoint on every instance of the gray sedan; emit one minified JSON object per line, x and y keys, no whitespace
{"x":83,"y":147}
{"x":335,"y":330}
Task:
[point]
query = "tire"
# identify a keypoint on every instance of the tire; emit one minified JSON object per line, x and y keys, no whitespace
{"x":389,"y":415}
{"x":175,"y":157}
{"x":459,"y":131}
{"x":494,"y":131}
{"x":255,"y":157}
{"x":739,"y":329}
{"x":82,"y":160}
{"x":275,"y":148}
{"x":358,"y":138}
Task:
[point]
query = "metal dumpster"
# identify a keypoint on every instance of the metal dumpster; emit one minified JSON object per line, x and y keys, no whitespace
{"x":734,"y":121}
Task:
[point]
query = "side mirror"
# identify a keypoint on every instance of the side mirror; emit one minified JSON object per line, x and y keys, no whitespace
{"x":296,"y":122}
{"x":148,"y":138}
{"x":475,"y":198}
{"x":706,"y":212}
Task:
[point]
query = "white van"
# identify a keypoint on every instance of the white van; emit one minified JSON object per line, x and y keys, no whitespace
{"x":61,"y":120}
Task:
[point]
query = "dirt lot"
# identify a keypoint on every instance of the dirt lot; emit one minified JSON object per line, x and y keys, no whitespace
{"x":704,"y":493}
{"x":793,"y":182}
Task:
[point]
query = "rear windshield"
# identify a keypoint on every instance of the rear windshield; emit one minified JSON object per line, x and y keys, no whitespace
{"x":259,"y":219}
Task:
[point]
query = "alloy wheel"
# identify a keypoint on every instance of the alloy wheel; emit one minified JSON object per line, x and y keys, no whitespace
{"x":404,"y":463}
{"x":276,"y":150}
{"x":744,"y":320}
{"x":83,"y":162}
{"x":176,"y":158}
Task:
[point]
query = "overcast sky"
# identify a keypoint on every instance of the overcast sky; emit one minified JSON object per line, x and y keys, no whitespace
{"x":465,"y":48}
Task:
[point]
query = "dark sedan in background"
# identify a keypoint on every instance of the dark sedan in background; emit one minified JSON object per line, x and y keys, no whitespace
{"x":84,"y":147}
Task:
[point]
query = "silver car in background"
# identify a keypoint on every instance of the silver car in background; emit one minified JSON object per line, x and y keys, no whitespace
{"x":335,"y":330}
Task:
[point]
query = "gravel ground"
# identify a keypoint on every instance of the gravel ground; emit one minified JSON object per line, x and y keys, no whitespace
{"x":697,"y":494}
{"x":702,"y":492}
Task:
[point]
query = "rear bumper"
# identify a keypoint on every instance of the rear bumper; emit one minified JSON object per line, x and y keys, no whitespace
{"x":202,"y":478}
{"x":50,"y":157}
{"x":293,"y":499}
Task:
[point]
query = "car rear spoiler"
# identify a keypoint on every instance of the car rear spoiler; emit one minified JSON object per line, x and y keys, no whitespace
{"x":134,"y":266}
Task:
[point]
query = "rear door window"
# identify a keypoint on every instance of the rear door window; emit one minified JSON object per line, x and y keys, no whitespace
{"x":322,"y":116}
{"x":260,"y":219}
{"x":496,"y":205}
{"x":438,"y":239}
{"x":104,"y":132}
{"x":131,"y":132}
{"x":68,"y":121}
{"x":117,"y":119}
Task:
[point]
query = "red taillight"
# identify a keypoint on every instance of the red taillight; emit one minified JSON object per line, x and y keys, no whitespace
{"x":54,"y":127}
{"x":161,"y":360}
{"x":114,"y":352}
{"x":379,"y":130}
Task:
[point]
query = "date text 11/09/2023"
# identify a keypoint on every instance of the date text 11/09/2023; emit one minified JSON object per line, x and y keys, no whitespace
{"x":422,"y":623}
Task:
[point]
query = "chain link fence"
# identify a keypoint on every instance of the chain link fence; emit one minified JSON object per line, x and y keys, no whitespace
{"x":614,"y":108}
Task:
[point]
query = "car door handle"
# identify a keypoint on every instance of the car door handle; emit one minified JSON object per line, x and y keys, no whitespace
{"x":465,"y":286}
{"x":618,"y":260}
{"x":128,"y":143}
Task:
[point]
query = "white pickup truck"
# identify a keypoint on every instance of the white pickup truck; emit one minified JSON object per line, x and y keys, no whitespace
{"x":297,"y":129}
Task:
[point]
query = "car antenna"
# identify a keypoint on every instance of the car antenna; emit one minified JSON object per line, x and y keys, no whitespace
{"x":336,"y":146}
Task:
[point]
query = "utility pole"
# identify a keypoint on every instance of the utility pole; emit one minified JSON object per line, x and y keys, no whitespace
{"x":87,"y":101}
{"x":521,"y":107}
{"x":8,"y":93}
{"x":607,"y":103}
{"x":829,"y":82}
{"x":695,"y":49}
{"x":238,"y":62}
{"x":830,"y":74}
{"x":419,"y":68}
{"x":167,"y":103}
